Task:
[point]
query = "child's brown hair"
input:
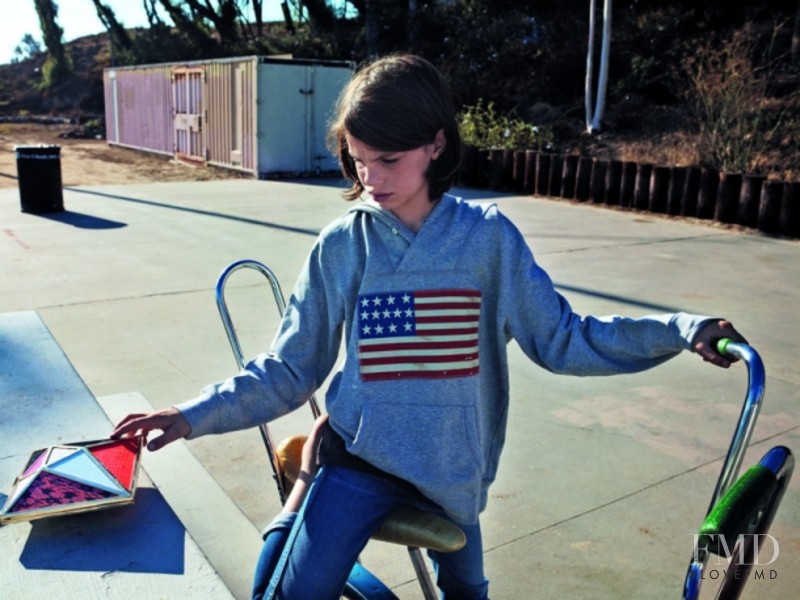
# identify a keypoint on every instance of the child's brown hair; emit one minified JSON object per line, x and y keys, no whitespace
{"x":395,"y":104}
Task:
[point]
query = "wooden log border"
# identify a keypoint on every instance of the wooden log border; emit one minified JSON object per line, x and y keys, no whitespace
{"x":748,"y":200}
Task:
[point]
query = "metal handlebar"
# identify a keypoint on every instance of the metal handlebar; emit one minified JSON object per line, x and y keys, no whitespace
{"x":233,"y":338}
{"x":747,"y":418}
{"x":779,"y":461}
{"x":222,"y":306}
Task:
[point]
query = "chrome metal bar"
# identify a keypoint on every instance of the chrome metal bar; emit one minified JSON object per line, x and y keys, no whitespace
{"x":736,"y":451}
{"x":421,"y":569}
{"x":236,"y":347}
{"x":747,"y":418}
{"x":222,"y":306}
{"x":694,"y":576}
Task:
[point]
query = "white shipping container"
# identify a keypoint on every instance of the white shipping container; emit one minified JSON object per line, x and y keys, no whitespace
{"x":262,"y":115}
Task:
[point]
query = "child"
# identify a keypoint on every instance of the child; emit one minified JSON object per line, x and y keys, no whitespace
{"x":427,"y":290}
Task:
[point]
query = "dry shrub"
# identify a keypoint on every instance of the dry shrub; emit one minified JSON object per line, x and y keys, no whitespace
{"x":739,"y":122}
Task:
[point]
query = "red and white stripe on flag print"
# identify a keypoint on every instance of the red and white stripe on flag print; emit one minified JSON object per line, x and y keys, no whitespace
{"x":418,"y":334}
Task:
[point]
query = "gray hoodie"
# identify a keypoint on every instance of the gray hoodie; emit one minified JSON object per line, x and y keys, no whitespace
{"x":423,"y":391}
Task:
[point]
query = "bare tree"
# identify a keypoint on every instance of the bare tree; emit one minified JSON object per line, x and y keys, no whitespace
{"x":320,"y":14}
{"x":118,"y":35}
{"x":151,"y":9}
{"x":257,"y":12}
{"x":224,"y":19}
{"x":188,"y":23}
{"x":287,"y":17}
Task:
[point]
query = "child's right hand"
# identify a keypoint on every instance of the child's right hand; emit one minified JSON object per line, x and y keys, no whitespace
{"x":704,"y":342}
{"x":171,"y":422}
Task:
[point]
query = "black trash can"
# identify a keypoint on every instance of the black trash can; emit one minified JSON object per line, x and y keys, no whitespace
{"x":39,"y":177}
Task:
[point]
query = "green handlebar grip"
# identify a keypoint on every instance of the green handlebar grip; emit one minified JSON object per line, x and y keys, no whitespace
{"x":722,"y":345}
{"x":737,"y":509}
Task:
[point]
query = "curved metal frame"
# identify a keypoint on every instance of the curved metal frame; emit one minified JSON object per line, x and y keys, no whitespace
{"x":747,"y":419}
{"x":233,"y":339}
{"x":779,"y":460}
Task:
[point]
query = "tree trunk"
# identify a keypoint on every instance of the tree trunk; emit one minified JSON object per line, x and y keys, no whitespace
{"x":287,"y":17}
{"x":320,"y":14}
{"x":223,"y":18}
{"x":188,"y":27}
{"x":56,"y":67}
{"x":117,"y":34}
{"x":151,"y":11}
{"x":258,"y":12}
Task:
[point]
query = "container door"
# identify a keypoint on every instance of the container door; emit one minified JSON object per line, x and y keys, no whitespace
{"x":282,"y":107}
{"x":328,"y":83}
{"x":187,"y":90}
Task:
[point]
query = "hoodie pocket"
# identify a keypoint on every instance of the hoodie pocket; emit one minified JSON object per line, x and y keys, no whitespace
{"x":435,"y":447}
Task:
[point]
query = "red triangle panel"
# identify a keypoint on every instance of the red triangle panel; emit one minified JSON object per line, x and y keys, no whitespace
{"x":119,"y":457}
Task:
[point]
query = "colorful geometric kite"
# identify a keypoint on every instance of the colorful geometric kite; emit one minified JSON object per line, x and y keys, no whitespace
{"x":70,"y":478}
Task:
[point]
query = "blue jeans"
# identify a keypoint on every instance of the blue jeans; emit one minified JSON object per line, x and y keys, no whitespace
{"x":310,"y":554}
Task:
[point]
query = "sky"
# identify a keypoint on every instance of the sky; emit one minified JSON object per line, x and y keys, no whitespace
{"x":77,"y":18}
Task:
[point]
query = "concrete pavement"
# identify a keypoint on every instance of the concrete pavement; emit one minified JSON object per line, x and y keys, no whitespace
{"x":603,"y":480}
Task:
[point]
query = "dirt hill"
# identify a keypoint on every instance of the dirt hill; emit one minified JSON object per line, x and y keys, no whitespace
{"x":78,"y":98}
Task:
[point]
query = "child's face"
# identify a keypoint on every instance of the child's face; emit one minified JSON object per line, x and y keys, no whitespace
{"x":396,"y":180}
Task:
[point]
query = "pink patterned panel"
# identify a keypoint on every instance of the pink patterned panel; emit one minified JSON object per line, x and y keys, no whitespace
{"x":52,"y":490}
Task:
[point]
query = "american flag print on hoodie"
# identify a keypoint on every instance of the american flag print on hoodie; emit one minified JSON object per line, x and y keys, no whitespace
{"x":429,"y":334}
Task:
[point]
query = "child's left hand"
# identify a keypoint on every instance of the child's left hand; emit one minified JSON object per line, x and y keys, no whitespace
{"x":705,"y":341}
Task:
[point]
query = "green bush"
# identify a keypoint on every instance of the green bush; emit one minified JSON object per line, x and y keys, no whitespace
{"x":483,"y":127}
{"x":54,"y":71}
